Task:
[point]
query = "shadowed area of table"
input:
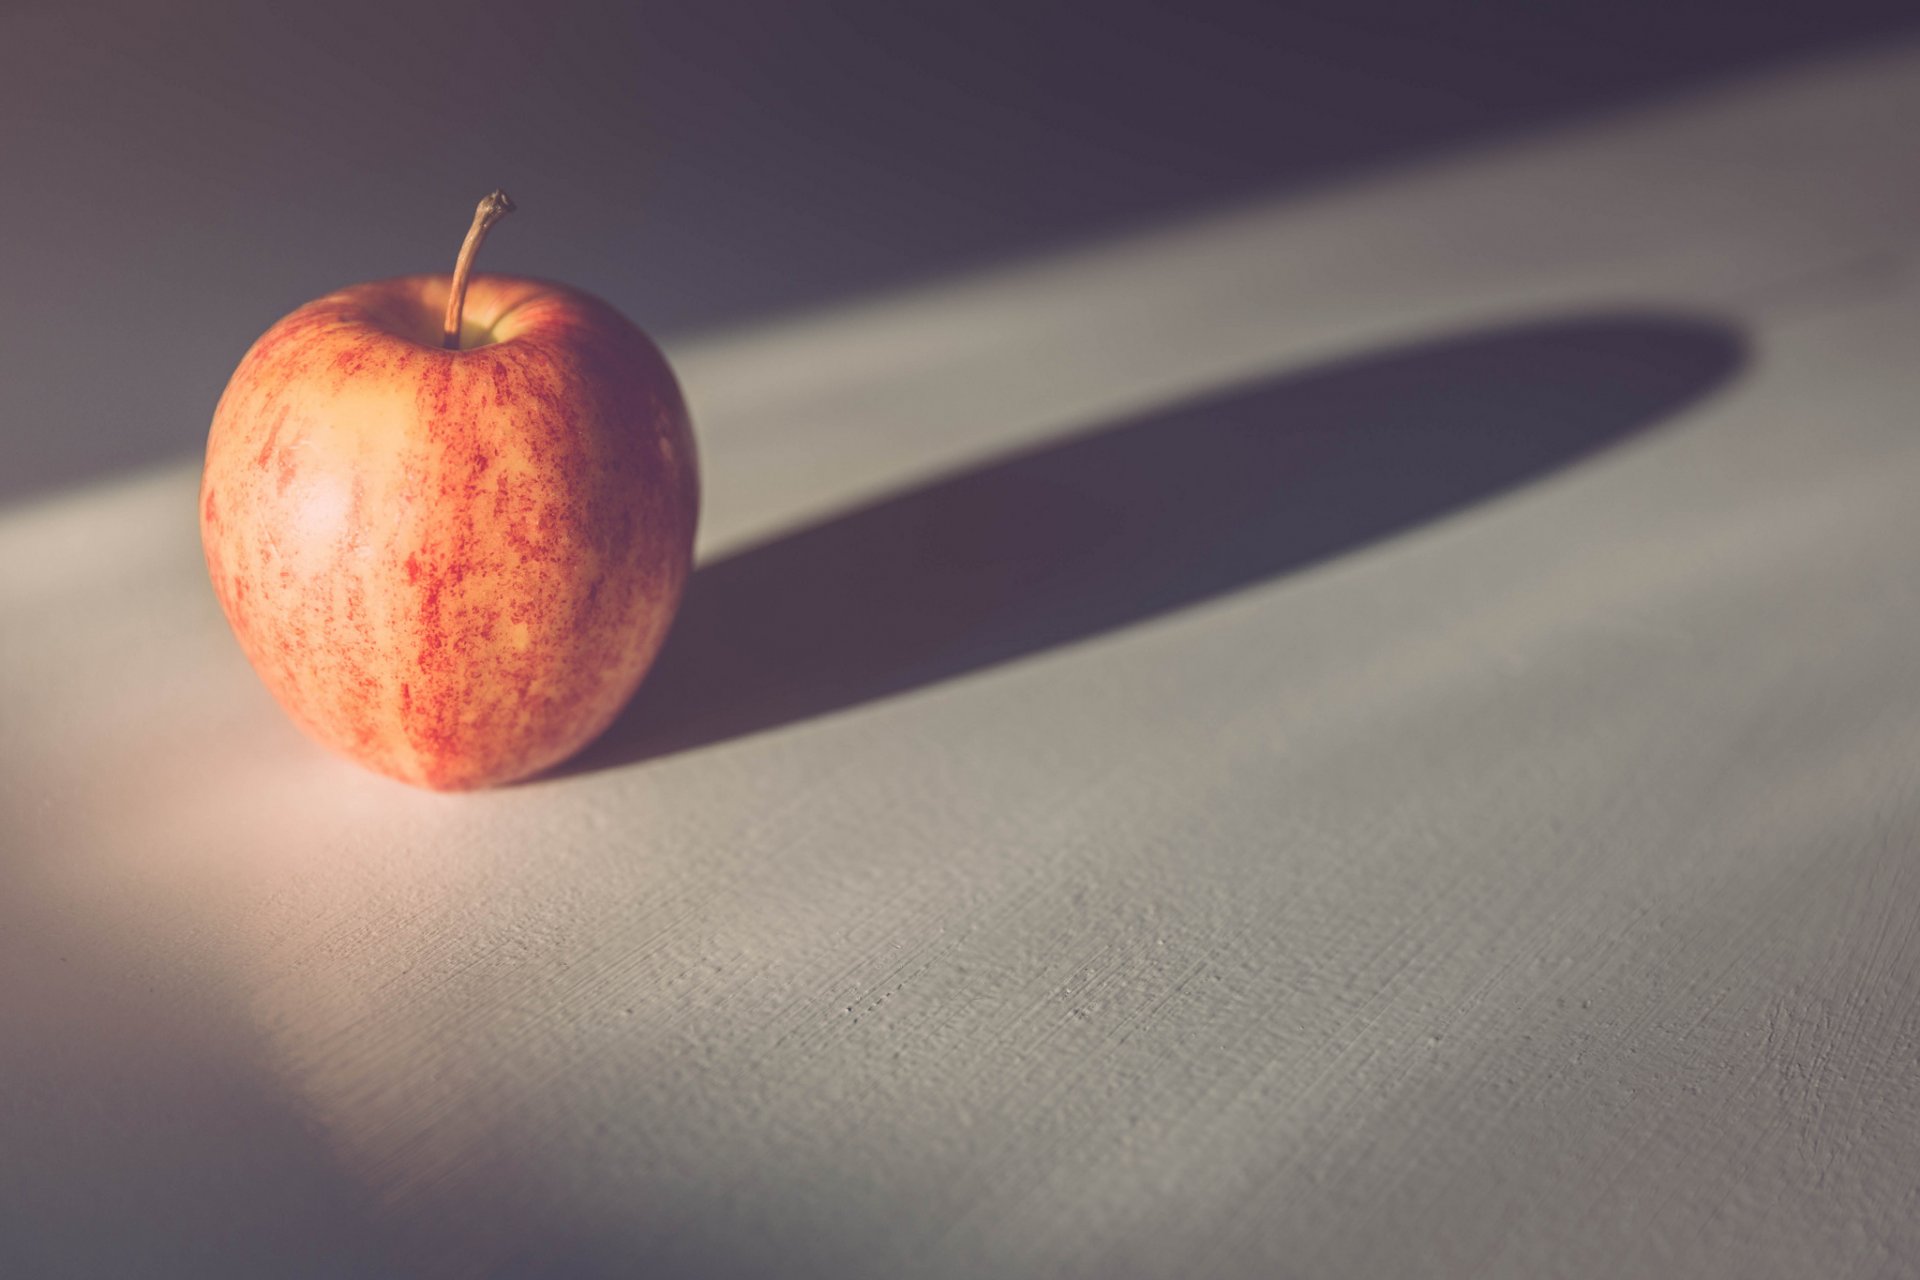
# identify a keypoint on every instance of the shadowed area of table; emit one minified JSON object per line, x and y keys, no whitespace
{"x":1118,"y":524}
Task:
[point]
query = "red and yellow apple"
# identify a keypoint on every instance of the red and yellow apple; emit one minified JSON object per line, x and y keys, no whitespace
{"x":451,"y":559}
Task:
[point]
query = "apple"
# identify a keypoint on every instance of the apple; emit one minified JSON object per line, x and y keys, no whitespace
{"x":450,"y":518}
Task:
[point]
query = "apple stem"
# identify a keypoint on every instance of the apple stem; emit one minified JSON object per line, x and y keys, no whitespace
{"x":493,"y":207}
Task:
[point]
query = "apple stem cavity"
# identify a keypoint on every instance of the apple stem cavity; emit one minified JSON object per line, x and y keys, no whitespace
{"x":493,"y":207}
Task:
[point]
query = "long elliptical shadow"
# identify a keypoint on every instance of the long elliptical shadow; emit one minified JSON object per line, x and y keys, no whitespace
{"x":1109,"y":527}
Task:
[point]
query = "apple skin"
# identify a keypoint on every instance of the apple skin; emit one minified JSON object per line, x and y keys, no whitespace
{"x":453,"y":567}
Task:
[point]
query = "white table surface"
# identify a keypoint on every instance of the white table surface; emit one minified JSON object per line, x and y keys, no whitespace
{"x":1417,"y":775}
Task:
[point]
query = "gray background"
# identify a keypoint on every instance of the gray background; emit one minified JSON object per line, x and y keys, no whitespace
{"x":181,"y":174}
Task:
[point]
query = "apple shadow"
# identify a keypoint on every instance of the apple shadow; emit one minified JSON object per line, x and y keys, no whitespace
{"x":1112,"y":526}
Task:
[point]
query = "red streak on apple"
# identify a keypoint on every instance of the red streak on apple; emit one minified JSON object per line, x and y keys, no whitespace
{"x":451,"y":566}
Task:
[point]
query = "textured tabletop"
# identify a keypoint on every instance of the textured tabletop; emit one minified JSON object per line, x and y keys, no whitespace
{"x":1365,"y":733}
